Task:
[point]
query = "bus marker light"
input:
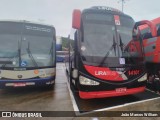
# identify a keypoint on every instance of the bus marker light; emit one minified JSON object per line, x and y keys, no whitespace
{"x":36,"y":71}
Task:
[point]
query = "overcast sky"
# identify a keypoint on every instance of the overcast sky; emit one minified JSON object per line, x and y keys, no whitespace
{"x":59,"y":12}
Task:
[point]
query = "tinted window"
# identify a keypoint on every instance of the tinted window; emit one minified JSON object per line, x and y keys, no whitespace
{"x":38,"y":39}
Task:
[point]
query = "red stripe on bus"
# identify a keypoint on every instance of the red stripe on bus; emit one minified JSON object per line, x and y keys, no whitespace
{"x":112,"y":93}
{"x":103,"y":73}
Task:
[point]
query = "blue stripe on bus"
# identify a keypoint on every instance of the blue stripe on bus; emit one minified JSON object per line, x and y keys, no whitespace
{"x":26,"y":80}
{"x":38,"y":82}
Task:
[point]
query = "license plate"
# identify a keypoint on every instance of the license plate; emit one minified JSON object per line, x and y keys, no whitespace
{"x":19,"y":84}
{"x":121,"y":90}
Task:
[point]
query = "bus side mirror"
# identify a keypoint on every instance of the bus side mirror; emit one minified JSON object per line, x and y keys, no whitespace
{"x":76,"y":19}
{"x":151,"y":25}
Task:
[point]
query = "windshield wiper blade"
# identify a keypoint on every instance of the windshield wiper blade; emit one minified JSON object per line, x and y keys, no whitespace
{"x":114,"y":45}
{"x":19,"y":52}
{"x":31,"y":56}
{"x":121,"y":44}
{"x":107,"y":54}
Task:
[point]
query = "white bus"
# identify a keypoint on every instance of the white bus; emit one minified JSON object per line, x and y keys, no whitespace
{"x":27,"y":54}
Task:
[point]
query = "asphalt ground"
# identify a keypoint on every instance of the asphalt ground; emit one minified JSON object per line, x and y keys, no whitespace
{"x":38,"y":98}
{"x":113,"y":102}
{"x":61,"y":99}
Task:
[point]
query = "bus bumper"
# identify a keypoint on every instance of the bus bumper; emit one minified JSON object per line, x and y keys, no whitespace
{"x":111,"y":93}
{"x":27,"y":82}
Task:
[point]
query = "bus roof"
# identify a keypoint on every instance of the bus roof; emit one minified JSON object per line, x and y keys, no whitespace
{"x":155,"y":21}
{"x":103,"y":9}
{"x":26,"y":21}
{"x":106,"y":8}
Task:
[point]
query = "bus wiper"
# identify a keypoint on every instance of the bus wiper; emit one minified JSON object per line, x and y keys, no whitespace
{"x":112,"y":47}
{"x":19,"y":52}
{"x":121,"y":44}
{"x":30,"y":55}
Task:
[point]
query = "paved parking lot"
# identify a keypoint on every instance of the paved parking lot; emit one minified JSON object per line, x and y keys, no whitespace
{"x":60,"y":98}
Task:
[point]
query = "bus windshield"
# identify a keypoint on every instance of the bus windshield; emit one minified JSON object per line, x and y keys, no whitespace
{"x":102,"y":38}
{"x":146,"y":32}
{"x":33,"y":43}
{"x":98,"y":35}
{"x":124,"y":31}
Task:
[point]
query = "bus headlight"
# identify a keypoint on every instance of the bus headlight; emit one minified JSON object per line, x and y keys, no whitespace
{"x":143,"y":78}
{"x":86,"y":81}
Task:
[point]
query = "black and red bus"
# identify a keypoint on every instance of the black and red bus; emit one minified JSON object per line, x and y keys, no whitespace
{"x":151,"y":46}
{"x":103,"y":62}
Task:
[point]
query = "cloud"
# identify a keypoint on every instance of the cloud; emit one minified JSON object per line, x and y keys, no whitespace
{"x":59,"y":12}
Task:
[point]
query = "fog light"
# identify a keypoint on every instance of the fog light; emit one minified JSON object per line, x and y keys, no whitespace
{"x":86,"y":81}
{"x":143,"y":78}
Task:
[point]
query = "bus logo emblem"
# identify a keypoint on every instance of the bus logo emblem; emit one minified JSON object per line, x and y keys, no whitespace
{"x":19,"y":76}
{"x":23,"y":63}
